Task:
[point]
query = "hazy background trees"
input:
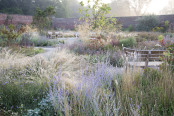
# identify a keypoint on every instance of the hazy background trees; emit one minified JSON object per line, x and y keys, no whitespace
{"x":64,"y":8}
{"x":169,"y":9}
{"x":129,"y":7}
{"x":140,"y":7}
{"x":120,"y":8}
{"x":70,"y":8}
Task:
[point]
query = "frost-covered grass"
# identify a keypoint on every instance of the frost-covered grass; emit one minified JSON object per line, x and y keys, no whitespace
{"x":17,"y":70}
{"x":66,"y":83}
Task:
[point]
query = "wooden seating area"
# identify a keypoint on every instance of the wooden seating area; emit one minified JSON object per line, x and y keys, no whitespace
{"x":53,"y":35}
{"x":143,"y":58}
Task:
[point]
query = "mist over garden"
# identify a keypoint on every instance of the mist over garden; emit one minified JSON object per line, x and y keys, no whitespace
{"x":98,"y":67}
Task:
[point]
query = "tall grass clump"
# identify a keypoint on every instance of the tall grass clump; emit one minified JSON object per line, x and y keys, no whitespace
{"x":91,"y":95}
{"x":147,"y":92}
{"x":84,"y":31}
{"x":19,"y":90}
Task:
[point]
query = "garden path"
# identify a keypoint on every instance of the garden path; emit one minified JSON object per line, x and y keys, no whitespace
{"x":50,"y":50}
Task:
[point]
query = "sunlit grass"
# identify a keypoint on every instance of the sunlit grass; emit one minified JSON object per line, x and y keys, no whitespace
{"x":66,"y":83}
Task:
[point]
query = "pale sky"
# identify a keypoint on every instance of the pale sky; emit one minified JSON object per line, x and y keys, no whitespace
{"x":155,"y":6}
{"x":104,"y":1}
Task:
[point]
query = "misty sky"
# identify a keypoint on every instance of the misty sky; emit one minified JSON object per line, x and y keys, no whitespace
{"x":154,"y":7}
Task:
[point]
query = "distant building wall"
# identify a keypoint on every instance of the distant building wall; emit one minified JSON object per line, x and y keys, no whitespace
{"x":126,"y":21}
{"x":15,"y":19}
{"x":69,"y":23}
{"x":65,"y":23}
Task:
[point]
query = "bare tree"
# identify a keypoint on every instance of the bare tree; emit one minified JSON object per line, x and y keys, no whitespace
{"x":120,"y":8}
{"x":139,"y":6}
{"x":169,"y":9}
{"x":171,"y":6}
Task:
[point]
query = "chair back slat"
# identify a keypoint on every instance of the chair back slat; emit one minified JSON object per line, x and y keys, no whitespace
{"x":144,"y":55}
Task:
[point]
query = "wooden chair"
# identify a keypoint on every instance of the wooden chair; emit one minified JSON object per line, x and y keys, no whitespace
{"x":50,"y":34}
{"x":57,"y":34}
{"x":76,"y":35}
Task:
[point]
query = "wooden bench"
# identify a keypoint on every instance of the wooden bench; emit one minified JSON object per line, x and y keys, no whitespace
{"x":143,"y":58}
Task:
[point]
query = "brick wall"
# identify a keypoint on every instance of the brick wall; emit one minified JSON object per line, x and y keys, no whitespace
{"x":69,"y":23}
{"x":2,"y":18}
{"x":64,"y":23}
{"x":16,"y":19}
{"x":126,"y":21}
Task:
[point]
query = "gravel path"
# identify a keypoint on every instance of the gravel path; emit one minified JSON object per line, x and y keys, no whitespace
{"x":69,"y":40}
{"x":50,"y":50}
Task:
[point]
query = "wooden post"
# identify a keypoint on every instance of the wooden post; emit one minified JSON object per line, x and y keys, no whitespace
{"x":125,"y":57}
{"x":127,"y":63}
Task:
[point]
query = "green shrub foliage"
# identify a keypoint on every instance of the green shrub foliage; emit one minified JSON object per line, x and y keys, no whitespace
{"x":147,"y":23}
{"x":128,"y":42}
{"x":96,"y":15}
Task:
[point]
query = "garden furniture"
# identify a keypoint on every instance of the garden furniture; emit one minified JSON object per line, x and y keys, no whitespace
{"x":143,"y":58}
